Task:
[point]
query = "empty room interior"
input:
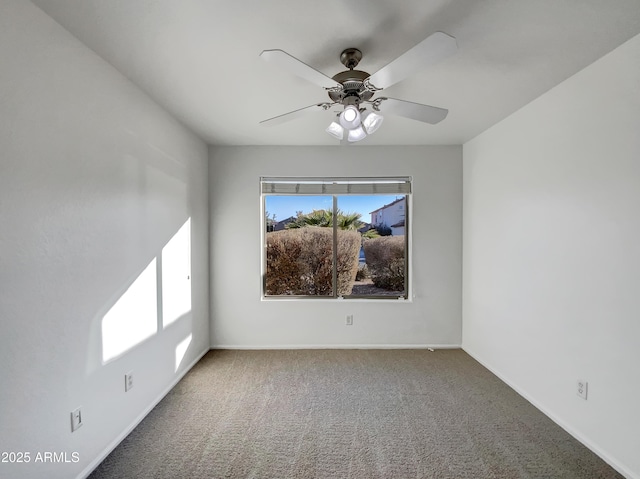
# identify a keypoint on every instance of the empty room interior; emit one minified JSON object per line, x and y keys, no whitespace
{"x":319,"y":239}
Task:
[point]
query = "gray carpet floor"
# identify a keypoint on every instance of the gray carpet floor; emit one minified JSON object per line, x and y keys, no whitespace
{"x":361,"y":414}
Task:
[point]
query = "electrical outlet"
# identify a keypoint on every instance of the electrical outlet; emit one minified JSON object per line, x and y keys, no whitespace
{"x":128,"y":381}
{"x":582,"y":387}
{"x":76,"y":419}
{"x":350,"y":320}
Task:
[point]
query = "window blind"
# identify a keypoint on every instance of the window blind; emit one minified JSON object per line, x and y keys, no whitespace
{"x":335,"y":186}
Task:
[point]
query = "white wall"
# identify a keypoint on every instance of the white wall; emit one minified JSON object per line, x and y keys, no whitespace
{"x":551,"y":289}
{"x":241,"y":319}
{"x":94,"y":180}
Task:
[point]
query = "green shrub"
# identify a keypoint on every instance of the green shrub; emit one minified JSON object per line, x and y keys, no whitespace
{"x":385,"y":261}
{"x":299,"y":261}
{"x":383,"y":230}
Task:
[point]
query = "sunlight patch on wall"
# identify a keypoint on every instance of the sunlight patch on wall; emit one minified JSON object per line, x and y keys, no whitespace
{"x":176,"y":275}
{"x":133,"y":318}
{"x":181,"y":350}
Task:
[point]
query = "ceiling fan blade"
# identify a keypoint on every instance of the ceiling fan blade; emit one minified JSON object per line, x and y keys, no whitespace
{"x":415,"y":111}
{"x":429,"y":51}
{"x":292,"y":115}
{"x":298,"y":68}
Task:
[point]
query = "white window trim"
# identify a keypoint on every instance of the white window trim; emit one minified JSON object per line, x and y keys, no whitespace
{"x":335,"y":184}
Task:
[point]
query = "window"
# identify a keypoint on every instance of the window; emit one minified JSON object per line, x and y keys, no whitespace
{"x":335,"y":237}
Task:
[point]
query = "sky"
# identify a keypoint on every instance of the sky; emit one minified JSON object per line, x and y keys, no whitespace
{"x":285,"y":206}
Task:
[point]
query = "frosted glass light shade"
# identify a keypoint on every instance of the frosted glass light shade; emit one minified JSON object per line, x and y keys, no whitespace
{"x":371,"y":121}
{"x":356,"y":134}
{"x":335,"y":130}
{"x":350,"y":117}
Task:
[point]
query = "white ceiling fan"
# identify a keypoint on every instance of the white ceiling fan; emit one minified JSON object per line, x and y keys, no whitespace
{"x":355,"y":89}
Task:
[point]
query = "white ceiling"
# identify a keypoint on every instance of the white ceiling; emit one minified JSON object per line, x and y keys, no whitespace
{"x":199,"y":58}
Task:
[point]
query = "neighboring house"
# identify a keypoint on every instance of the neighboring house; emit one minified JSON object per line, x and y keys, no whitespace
{"x":365,"y":227}
{"x":280,"y":225}
{"x":391,"y":215}
{"x":398,"y":228}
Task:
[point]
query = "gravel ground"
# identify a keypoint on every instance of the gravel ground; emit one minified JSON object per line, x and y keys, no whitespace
{"x":366,"y":288}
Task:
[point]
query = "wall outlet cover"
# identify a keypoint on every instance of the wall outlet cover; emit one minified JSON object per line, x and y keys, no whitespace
{"x":76,"y":419}
{"x":128,"y":381}
{"x":582,"y":388}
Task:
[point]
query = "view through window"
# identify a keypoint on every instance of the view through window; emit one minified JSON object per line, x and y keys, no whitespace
{"x":330,"y":238}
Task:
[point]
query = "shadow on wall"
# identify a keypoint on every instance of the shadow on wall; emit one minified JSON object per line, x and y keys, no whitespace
{"x":157,"y":298}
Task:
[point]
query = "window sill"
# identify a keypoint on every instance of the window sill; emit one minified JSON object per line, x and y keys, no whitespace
{"x":377,"y":299}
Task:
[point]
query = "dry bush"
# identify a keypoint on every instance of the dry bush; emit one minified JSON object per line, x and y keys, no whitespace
{"x":385,"y":261}
{"x":283,"y":253}
{"x":299,"y":261}
{"x":363,"y":273}
{"x":348,"y":257}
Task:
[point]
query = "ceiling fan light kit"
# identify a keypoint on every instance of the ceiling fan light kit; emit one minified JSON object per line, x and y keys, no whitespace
{"x":357,"y":124}
{"x":356,"y":134}
{"x":353,"y":88}
{"x":371,"y":121}
{"x":335,"y":130}
{"x":350,"y":117}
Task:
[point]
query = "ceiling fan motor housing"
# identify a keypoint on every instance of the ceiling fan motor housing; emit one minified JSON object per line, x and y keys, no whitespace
{"x":352,"y":81}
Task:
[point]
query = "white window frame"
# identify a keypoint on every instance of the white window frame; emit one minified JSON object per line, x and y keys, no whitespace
{"x":335,"y":187}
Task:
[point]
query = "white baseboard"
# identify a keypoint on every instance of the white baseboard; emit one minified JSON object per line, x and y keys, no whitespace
{"x":335,"y":346}
{"x":586,"y":442}
{"x":109,"y":449}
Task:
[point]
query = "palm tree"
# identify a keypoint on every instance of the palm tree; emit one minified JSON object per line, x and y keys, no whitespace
{"x":324,"y":218}
{"x":370,"y":234}
{"x":349,"y":221}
